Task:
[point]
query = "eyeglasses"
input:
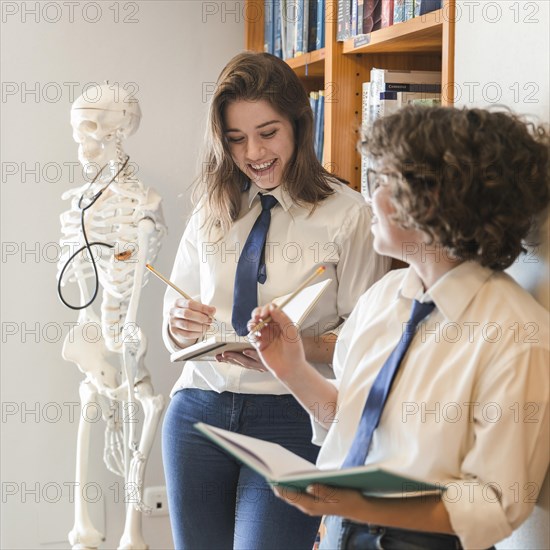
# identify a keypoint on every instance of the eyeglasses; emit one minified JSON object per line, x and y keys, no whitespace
{"x":376,"y":179}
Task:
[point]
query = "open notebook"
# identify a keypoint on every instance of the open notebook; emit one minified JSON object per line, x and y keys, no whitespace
{"x":297,"y":309}
{"x":279,"y":466}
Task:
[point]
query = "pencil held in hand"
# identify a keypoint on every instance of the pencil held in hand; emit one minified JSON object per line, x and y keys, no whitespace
{"x":177,"y":289}
{"x":167,"y":281}
{"x":264,"y":322}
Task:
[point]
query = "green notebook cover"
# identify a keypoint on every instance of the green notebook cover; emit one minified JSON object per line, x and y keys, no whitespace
{"x":279,"y":466}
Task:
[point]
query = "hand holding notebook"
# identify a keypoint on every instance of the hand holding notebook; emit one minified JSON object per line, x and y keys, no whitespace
{"x":220,"y":340}
{"x":279,"y":466}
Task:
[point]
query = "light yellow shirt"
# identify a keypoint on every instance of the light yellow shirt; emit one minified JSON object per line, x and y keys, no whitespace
{"x":469,"y":405}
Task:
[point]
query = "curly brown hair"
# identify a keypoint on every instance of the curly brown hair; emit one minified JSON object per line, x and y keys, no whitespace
{"x":473,"y":179}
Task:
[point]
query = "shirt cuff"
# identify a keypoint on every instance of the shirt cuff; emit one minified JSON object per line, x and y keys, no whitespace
{"x":475,"y":513}
{"x":319,"y":432}
{"x":169,"y":343}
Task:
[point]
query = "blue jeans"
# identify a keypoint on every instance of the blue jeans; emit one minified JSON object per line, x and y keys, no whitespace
{"x":215,"y":502}
{"x":343,"y":534}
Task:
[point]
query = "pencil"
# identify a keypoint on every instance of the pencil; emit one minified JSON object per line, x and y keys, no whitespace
{"x":264,"y":322}
{"x":168,"y":282}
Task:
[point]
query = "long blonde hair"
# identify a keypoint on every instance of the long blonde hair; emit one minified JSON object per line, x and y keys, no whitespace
{"x":253,"y":76}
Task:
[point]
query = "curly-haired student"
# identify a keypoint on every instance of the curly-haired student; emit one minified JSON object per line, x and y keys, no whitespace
{"x":268,"y":214}
{"x":442,"y":367}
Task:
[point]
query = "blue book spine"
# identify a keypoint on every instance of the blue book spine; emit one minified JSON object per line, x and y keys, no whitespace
{"x":347,"y":18}
{"x":422,"y":7}
{"x":340,"y":36}
{"x":299,"y":37}
{"x":278,"y":40}
{"x":268,"y":26}
{"x":320,"y":125}
{"x":399,"y":11}
{"x":353,"y":17}
{"x":320,"y":38}
{"x":274,"y":17}
{"x":312,"y":26}
{"x":313,"y":101}
{"x":408,"y":10}
{"x":305,"y":25}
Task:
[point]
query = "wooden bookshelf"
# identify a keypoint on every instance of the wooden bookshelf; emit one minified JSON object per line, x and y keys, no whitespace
{"x":422,"y":43}
{"x":311,"y":64}
{"x":421,"y":34}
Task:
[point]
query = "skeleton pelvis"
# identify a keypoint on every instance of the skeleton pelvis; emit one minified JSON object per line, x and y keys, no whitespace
{"x":85,"y":347}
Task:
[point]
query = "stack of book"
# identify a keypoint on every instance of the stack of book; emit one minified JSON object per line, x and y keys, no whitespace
{"x":388,"y":91}
{"x":293,"y":27}
{"x":357,"y":17}
{"x":317,"y":102}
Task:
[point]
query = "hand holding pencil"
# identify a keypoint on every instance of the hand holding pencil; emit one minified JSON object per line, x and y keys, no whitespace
{"x":189,"y":319}
{"x":263,"y":322}
{"x":277,"y":338}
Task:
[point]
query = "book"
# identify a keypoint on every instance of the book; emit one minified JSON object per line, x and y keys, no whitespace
{"x":312,"y":26}
{"x":299,"y":47}
{"x":421,"y":7}
{"x":219,"y":340}
{"x":269,"y":27}
{"x":412,"y":87}
{"x":320,"y":126}
{"x":347,"y":18}
{"x":278,"y":47}
{"x":383,"y":79}
{"x":387,"y":14}
{"x":372,"y":15}
{"x":289,"y":15}
{"x":279,"y":466}
{"x":354,"y":6}
{"x":305,"y":29}
{"x":360,"y":10}
{"x":403,"y":10}
{"x":408,"y":10}
{"x":320,"y":34}
{"x":365,"y":123}
{"x":340,"y":34}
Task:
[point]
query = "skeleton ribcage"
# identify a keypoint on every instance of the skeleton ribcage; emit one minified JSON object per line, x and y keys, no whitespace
{"x":113,"y":220}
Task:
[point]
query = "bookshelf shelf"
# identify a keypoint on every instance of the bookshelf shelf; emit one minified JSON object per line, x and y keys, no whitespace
{"x":309,"y":64}
{"x":421,"y":43}
{"x":421,"y":34}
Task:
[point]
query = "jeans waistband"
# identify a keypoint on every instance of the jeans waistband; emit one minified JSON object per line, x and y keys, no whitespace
{"x":356,"y":536}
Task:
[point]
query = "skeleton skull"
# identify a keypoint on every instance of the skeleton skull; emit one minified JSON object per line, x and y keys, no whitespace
{"x":100,"y":120}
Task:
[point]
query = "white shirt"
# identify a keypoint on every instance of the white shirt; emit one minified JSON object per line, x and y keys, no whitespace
{"x":469,"y":405}
{"x":336,"y":234}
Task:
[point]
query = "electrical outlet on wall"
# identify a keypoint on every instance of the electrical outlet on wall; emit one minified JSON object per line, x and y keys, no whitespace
{"x":157,"y":500}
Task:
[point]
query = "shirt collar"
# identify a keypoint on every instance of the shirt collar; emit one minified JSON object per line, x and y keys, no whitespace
{"x":280,"y":193}
{"x":452,"y":293}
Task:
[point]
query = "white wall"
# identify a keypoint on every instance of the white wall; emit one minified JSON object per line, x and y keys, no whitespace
{"x":502,"y":58}
{"x":168,"y":51}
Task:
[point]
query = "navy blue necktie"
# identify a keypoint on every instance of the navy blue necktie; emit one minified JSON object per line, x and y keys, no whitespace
{"x":251,"y":268}
{"x":381,"y":388}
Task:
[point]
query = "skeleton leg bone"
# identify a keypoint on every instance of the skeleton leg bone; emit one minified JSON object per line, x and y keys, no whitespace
{"x":152,"y":406}
{"x":83,"y":535}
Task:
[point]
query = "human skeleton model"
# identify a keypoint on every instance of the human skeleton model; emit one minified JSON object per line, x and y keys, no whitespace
{"x":126,"y":218}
